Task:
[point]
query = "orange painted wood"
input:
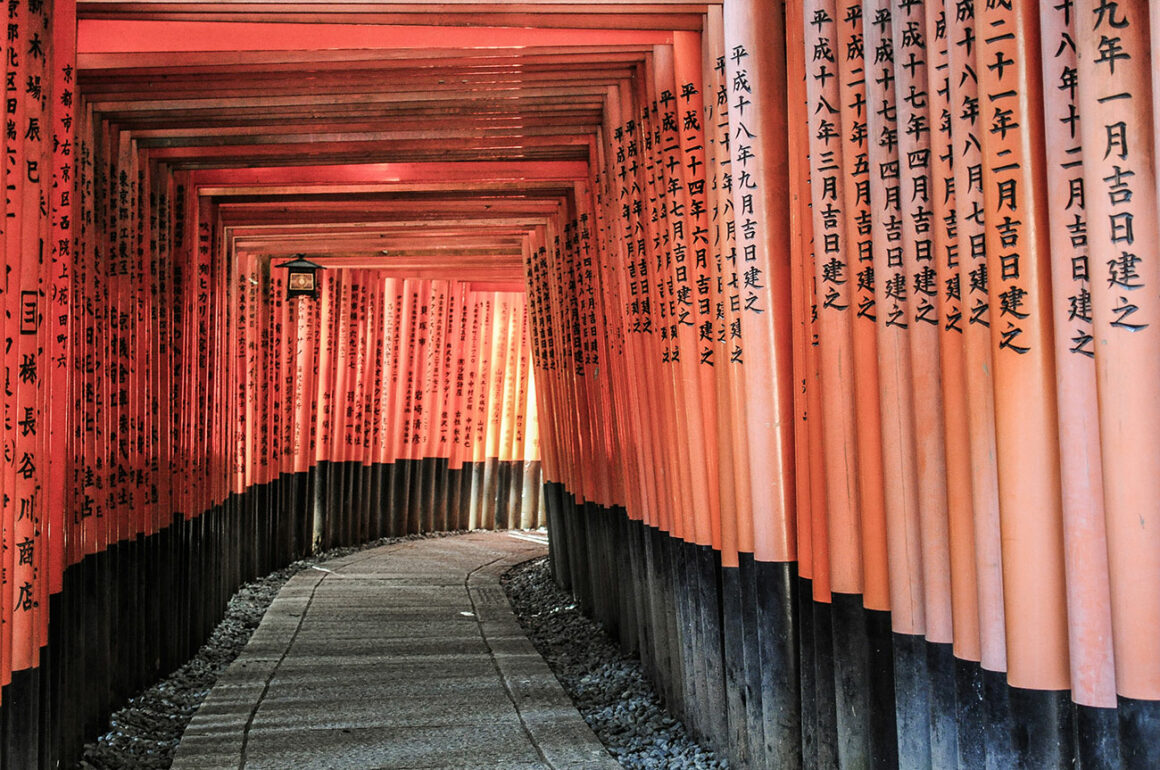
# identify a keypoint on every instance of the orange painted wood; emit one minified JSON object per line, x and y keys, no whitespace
{"x":452,"y":351}
{"x":514,"y":422}
{"x":282,"y":372}
{"x":366,"y":381}
{"x":851,"y":73}
{"x":506,"y":406}
{"x":142,"y":64}
{"x":966,"y":131}
{"x":1118,"y":130}
{"x":15,"y":654}
{"x":677,"y":411}
{"x":834,"y":350}
{"x":112,"y":37}
{"x":618,"y":237}
{"x":394,"y":174}
{"x":415,"y":421}
{"x":544,"y":356}
{"x":1090,"y":638}
{"x":699,"y":357}
{"x":59,"y":319}
{"x":393,"y":315}
{"x":208,"y":304}
{"x":31,"y":532}
{"x":661,"y":289}
{"x":636,"y":240}
{"x":820,"y":557}
{"x":911,"y":49}
{"x":618,"y":227}
{"x":457,"y":351}
{"x":185,"y":235}
{"x":306,"y":331}
{"x":572,"y":299}
{"x":895,"y":317}
{"x":322,"y":405}
{"x":479,"y":405}
{"x":1025,"y":416}
{"x":801,"y":271}
{"x":594,"y":316}
{"x":754,"y":36}
{"x":81,"y":340}
{"x":964,"y":597}
{"x":635,"y":15}
{"x":465,"y":417}
{"x":532,"y":454}
{"x":732,"y":454}
{"x":343,"y":405}
{"x":626,"y":488}
{"x":497,"y":384}
{"x":240,"y":411}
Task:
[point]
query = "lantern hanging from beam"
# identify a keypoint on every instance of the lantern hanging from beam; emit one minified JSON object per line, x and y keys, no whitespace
{"x":301,"y":277}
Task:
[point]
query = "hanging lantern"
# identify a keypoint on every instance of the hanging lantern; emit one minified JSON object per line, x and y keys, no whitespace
{"x":301,"y":280}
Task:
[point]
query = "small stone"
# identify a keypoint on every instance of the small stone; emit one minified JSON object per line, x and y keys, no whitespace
{"x":610,"y":690}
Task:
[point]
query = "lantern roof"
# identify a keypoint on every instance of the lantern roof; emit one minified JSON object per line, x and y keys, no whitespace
{"x":300,"y":262}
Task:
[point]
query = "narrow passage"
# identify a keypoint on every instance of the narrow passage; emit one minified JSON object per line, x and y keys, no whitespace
{"x":406,"y":656}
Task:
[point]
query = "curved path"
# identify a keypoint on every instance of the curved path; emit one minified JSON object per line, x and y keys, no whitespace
{"x":405,"y":656}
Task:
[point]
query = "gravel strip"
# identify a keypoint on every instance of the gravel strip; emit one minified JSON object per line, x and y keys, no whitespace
{"x":609,"y":688}
{"x":144,"y":734}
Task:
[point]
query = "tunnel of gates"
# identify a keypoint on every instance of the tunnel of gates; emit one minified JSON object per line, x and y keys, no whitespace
{"x":836,"y":324}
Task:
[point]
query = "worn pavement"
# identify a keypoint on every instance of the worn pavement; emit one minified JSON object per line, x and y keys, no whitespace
{"x":405,"y":656}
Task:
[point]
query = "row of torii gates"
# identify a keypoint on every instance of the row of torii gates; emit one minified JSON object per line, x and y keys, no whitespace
{"x":823,"y":335}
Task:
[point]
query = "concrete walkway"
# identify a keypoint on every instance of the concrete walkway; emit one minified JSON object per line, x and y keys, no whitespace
{"x":406,"y":656}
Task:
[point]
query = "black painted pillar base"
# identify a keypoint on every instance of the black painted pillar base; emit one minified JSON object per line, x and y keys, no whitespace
{"x":1139,"y":732}
{"x":759,"y":669}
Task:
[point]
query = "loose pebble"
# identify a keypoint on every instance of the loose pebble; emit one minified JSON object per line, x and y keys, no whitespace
{"x":609,"y":688}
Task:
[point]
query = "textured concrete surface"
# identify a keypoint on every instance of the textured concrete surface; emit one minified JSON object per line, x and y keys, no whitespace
{"x":406,"y":656}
